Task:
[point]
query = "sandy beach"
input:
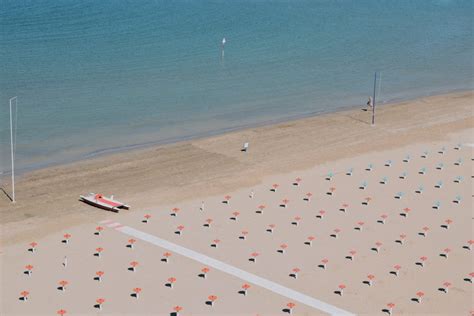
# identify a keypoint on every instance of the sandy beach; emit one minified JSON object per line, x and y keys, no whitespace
{"x":338,"y":153}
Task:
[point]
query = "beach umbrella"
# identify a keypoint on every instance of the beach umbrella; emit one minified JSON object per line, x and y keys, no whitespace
{"x":24,"y":295}
{"x":99,"y":302}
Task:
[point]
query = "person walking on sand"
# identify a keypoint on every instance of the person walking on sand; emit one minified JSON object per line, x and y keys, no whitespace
{"x":370,"y":102}
{"x":65,"y":261}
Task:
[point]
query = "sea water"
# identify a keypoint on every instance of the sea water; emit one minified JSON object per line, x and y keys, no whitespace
{"x":95,"y":77}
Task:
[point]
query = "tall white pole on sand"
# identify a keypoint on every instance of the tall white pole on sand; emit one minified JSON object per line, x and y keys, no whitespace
{"x":11,"y":147}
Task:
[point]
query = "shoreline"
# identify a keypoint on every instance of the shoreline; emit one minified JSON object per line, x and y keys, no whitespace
{"x":161,"y":175}
{"x":104,"y":152}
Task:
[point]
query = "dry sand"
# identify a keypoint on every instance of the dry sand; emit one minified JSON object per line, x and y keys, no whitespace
{"x":182,"y":175}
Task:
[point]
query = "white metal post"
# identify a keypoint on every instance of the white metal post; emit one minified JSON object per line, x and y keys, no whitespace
{"x":373,"y":102}
{"x":11,"y":147}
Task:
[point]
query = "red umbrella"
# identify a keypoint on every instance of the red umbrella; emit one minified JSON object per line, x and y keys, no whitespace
{"x":212,"y":299}
{"x":24,"y":295}
{"x":137,"y":291}
{"x":99,"y":229}
{"x":29,"y":269}
{"x":99,"y":275}
{"x":62,"y":285}
{"x":33,"y":246}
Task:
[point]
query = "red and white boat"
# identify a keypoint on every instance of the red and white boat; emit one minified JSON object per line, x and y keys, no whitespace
{"x":106,"y":203}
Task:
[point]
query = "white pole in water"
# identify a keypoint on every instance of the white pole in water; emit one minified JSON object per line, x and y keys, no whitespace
{"x":223,"y":46}
{"x":11,"y":147}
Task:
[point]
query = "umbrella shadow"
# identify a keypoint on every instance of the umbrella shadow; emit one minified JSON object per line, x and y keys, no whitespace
{"x":6,"y":194}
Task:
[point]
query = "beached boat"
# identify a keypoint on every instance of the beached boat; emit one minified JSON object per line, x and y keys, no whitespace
{"x":106,"y":203}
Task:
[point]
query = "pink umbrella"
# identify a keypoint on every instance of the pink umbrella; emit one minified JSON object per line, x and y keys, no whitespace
{"x":131,"y":242}
{"x":378,"y":244}
{"x":227,"y":199}
{"x":359,"y":226}
{"x":245,"y":287}
{"x":402,"y":239}
{"x":424,"y":232}
{"x":99,"y":302}
{"x":370,"y":279}
{"x":147,"y":218}
{"x":171,"y":281}
{"x":243,"y":235}
{"x":310,"y":240}
{"x":405,"y":212}
{"x":174,"y":211}
{"x":166,"y":256}
{"x":420,"y":296}
{"x":274,"y":187}
{"x":136,"y":291}
{"x":382,"y":219}
{"x":98,"y":251}
{"x":260,"y":209}
{"x":344,"y":207}
{"x":336,"y":233}
{"x":390,"y":308}
{"x":177,"y":309}
{"x":98,"y":229}
{"x":215,"y":243}
{"x":282,"y":248}
{"x":469,"y":279}
{"x":323,"y":264}
{"x":99,"y":275}
{"x":469,"y":244}
{"x":179,"y":230}
{"x":367,"y":200}
{"x":271,"y":227}
{"x":62,"y":285}
{"x":61,"y":312}
{"x":294,"y":273}
{"x":445,"y":287}
{"x":208,"y":222}
{"x":204,"y":271}
{"x":66,"y":238}
{"x":133,"y":265}
{"x":29,"y":269}
{"x":423,"y":259}
{"x":308,"y":196}
{"x":396,"y":270}
{"x":331,"y":191}
{"x":235,"y":215}
{"x":321,"y":214}
{"x":351,"y":255}
{"x":445,"y":253}
{"x":290,"y":306}
{"x":296,"y":221}
{"x":341,"y":289}
{"x":211,"y":300}
{"x":448,"y":222}
{"x":254,"y":256}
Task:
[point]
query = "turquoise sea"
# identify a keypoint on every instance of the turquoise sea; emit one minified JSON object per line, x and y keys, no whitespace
{"x":95,"y":77}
